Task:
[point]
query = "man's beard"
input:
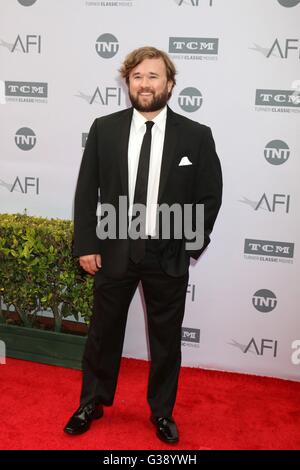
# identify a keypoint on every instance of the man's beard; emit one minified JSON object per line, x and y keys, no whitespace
{"x":158,"y":102}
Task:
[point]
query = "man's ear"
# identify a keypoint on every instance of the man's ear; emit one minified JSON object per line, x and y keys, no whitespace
{"x":170,"y":86}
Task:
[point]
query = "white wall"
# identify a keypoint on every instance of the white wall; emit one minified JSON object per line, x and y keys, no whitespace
{"x":258,"y":49}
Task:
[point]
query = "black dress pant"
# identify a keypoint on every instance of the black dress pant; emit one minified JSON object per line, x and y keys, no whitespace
{"x":165,"y":303}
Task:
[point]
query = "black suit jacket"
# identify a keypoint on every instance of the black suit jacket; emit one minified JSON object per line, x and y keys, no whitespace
{"x":104,"y":165}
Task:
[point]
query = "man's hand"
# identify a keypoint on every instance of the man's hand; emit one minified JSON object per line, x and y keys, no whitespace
{"x":90,"y":263}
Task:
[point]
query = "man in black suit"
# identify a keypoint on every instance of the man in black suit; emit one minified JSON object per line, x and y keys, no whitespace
{"x":152,"y":156}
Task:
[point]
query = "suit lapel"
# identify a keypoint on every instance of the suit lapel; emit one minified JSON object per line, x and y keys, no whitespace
{"x":170,"y":143}
{"x":124,"y":124}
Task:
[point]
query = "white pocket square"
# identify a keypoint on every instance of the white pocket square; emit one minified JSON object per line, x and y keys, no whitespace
{"x":185,"y":161}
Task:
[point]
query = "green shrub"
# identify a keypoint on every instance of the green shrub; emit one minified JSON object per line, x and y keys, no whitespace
{"x":38,"y":271}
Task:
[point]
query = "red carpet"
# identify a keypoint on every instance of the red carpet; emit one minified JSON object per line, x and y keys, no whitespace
{"x":214,"y":410}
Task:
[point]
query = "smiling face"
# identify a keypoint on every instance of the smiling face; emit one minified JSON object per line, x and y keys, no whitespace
{"x":148,"y":86}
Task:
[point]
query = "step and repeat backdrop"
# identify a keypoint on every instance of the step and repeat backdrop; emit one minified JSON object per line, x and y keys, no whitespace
{"x":238,"y":72}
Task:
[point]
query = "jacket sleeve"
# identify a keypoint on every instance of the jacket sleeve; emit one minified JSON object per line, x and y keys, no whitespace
{"x":86,"y":199}
{"x":208,"y":188}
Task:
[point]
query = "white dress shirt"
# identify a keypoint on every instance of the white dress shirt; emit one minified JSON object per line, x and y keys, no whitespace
{"x":137,"y":131}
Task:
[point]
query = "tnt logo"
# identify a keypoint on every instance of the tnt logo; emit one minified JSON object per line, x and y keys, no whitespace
{"x":2,"y":352}
{"x":264,"y":300}
{"x":107,"y":46}
{"x":190,"y":99}
{"x":288,"y":3}
{"x":25,"y":138}
{"x":276,"y":152}
{"x":26,"y":3}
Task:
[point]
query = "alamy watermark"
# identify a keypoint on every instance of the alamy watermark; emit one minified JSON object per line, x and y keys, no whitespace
{"x":2,"y":352}
{"x":174,"y":221}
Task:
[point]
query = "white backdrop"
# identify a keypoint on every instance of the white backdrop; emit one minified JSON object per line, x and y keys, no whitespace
{"x":238,"y":66}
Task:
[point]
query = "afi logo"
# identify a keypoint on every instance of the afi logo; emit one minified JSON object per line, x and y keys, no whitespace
{"x":193,"y":3}
{"x":28,"y":182}
{"x":84,"y":137}
{"x":276,"y":200}
{"x":191,"y":290}
{"x":108,"y":96}
{"x":260,"y":348}
{"x":30,"y":43}
{"x":285,"y":47}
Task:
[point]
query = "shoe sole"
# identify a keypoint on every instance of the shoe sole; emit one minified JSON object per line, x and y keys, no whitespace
{"x":175,"y":441}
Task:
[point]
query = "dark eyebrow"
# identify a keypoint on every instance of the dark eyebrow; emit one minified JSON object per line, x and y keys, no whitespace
{"x":150,"y":73}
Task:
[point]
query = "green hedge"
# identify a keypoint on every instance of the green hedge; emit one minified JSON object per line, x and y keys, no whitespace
{"x":38,"y":271}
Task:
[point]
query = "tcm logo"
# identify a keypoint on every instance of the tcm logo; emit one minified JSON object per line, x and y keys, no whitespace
{"x":269,"y":248}
{"x":26,"y":3}
{"x":30,"y":43}
{"x":190,"y":335}
{"x":276,"y":152}
{"x":295,"y":357}
{"x":102,"y":4}
{"x":26,"y":89}
{"x":278,"y":98}
{"x":262,"y":346}
{"x":264,"y":300}
{"x":2,"y":352}
{"x":84,"y":137}
{"x":107,"y":46}
{"x":193,"y":3}
{"x":190,"y":99}
{"x":288,"y":3}
{"x":25,"y":138}
{"x":183,"y":45}
{"x":272,"y":204}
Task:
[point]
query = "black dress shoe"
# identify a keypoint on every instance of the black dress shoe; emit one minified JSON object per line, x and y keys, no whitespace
{"x":166,"y":429}
{"x":81,"y":420}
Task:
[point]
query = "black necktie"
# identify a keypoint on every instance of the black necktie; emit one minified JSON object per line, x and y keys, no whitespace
{"x":137,"y":247}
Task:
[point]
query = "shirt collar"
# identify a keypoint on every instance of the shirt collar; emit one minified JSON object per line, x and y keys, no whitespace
{"x":139,"y":120}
